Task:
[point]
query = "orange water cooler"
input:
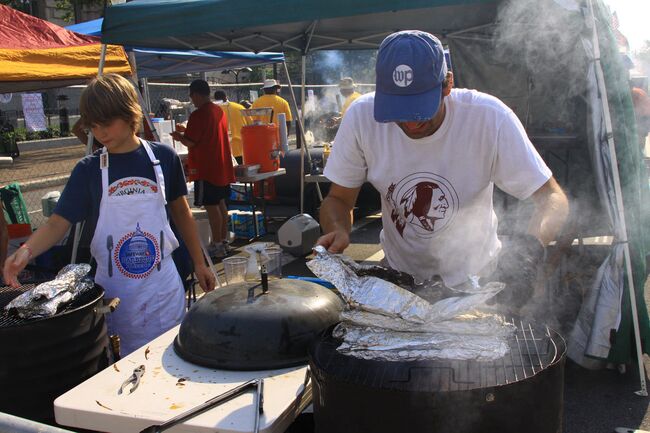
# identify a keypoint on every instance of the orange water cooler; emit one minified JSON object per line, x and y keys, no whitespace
{"x":261,"y":146}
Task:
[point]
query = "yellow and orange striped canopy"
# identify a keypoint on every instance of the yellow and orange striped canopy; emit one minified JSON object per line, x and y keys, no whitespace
{"x":36,"y":54}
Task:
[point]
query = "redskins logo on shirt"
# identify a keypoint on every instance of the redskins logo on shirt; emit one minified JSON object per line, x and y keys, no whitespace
{"x":422,"y":202}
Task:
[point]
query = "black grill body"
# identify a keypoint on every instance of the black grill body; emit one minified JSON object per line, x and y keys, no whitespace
{"x":41,"y":359}
{"x":520,"y":393}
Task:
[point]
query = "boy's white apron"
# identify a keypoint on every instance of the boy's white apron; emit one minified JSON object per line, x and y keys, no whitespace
{"x":132,"y":237}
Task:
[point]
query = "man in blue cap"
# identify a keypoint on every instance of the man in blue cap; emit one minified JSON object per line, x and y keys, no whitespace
{"x":435,"y":154}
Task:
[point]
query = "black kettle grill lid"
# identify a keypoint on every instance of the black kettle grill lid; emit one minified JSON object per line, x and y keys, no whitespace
{"x":238,"y":327}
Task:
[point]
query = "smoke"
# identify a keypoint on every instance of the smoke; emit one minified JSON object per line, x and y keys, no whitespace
{"x":539,"y":50}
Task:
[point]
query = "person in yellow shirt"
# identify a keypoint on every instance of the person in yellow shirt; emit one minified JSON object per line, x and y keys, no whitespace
{"x":235,"y":119}
{"x":271,"y":99}
{"x":347,"y":89}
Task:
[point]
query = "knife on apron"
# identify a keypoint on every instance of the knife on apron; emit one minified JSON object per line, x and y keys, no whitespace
{"x":162,"y":249}
{"x":109,"y":247}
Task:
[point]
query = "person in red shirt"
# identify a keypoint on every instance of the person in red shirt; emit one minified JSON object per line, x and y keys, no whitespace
{"x":209,"y":161}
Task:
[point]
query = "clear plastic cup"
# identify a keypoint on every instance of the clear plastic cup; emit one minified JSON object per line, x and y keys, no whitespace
{"x":274,"y":265}
{"x":235,"y":269}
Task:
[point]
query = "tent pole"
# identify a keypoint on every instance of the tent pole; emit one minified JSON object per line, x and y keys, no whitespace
{"x":144,"y":106}
{"x":302,"y":112}
{"x":303,"y":74}
{"x":89,"y":147}
{"x":304,"y":143}
{"x":303,"y":136}
{"x":146,"y":95}
{"x":619,"y":202}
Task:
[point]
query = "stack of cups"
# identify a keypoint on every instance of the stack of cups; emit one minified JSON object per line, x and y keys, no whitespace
{"x":274,"y":265}
{"x":235,"y":269}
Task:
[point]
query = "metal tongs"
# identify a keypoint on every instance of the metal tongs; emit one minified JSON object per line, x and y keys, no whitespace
{"x":133,"y":380}
{"x":257,"y":384}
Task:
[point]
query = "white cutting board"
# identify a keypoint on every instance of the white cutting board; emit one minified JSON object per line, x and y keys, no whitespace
{"x":171,"y":386}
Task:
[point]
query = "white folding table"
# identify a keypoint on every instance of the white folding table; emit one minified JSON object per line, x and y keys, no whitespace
{"x":171,"y":386}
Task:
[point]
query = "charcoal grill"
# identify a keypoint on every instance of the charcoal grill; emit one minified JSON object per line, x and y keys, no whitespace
{"x":522,"y":391}
{"x":41,"y":359}
{"x":8,"y":293}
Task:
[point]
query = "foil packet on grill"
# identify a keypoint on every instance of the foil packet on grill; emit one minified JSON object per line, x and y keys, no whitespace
{"x":46,"y":299}
{"x":388,"y":321}
{"x":366,"y":292}
{"x":378,"y":343}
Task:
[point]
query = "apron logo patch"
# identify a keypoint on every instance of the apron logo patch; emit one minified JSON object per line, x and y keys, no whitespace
{"x":137,"y":253}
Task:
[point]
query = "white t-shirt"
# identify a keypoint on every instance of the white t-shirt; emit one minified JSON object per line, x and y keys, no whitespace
{"x":436,"y":191}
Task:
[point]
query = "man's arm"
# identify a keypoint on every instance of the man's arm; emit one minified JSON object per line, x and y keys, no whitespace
{"x":336,"y":217}
{"x":182,"y":216}
{"x":178,"y":136}
{"x":551,"y":211}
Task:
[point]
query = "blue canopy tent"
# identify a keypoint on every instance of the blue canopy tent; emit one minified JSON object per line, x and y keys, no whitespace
{"x":154,"y":62}
{"x":474,"y":31}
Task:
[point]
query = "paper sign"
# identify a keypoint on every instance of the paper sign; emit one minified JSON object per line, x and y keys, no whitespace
{"x":33,"y":111}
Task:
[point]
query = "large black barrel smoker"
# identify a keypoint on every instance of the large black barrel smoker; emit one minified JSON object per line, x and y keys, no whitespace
{"x":521,"y":392}
{"x":41,"y":359}
{"x":255,"y":326}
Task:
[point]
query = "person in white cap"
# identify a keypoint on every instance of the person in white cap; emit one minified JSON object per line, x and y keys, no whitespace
{"x":348,"y":90}
{"x":435,"y":154}
{"x":271,"y":99}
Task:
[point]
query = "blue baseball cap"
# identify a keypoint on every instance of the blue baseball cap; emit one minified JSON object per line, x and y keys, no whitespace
{"x":410,"y":70}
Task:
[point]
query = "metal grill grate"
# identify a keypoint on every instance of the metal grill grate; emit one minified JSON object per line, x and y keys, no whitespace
{"x":529,"y":353}
{"x":8,"y":293}
{"x":533,"y":348}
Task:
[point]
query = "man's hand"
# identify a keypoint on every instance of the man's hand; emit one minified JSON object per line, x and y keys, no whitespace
{"x":176,"y":135}
{"x":335,"y":242}
{"x":13,"y":265}
{"x":519,"y":260}
{"x":206,"y":278}
{"x":180,"y":127}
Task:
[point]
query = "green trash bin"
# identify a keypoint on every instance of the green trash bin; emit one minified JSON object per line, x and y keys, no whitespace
{"x":14,"y":205}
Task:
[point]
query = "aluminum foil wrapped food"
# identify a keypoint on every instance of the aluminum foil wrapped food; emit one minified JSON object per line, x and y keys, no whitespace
{"x":46,"y":299}
{"x":377,"y":343}
{"x":386,"y":321}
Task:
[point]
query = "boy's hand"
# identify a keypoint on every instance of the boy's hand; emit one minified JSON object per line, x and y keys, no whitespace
{"x":13,"y":265}
{"x":180,"y":127}
{"x":206,"y":278}
{"x":176,"y":135}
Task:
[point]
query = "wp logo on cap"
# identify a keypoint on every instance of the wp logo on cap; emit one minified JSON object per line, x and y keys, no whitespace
{"x":403,"y":75}
{"x":411,"y":70}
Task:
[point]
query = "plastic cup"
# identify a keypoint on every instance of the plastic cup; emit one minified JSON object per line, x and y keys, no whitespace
{"x":235,"y":269}
{"x":274,"y":265}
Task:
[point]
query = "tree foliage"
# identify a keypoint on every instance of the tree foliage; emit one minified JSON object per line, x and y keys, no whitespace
{"x":68,"y":8}
{"x":23,"y":6}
